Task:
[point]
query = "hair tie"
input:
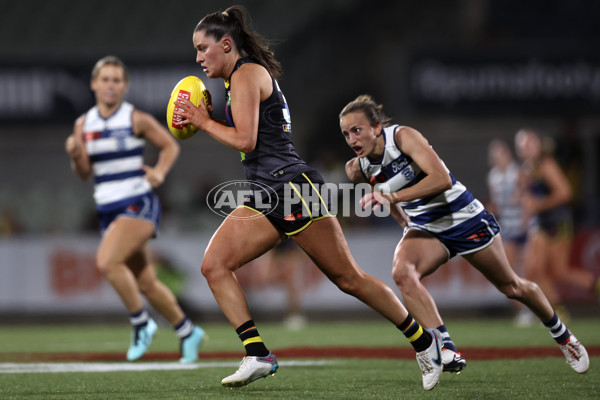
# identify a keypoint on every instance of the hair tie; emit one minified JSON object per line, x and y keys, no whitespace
{"x":225,"y":13}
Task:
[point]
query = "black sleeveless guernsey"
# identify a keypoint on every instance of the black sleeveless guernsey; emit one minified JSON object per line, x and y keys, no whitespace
{"x":274,"y":161}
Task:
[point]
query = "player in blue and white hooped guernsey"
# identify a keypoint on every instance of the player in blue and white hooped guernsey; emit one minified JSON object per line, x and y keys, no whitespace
{"x":441,"y":219}
{"x":504,"y":201}
{"x":107,"y":143}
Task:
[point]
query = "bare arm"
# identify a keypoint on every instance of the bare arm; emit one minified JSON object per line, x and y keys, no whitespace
{"x":75,"y":148}
{"x":560,"y":190}
{"x":147,"y":126}
{"x":355,"y":175}
{"x":250,"y":85}
{"x":353,"y":171}
{"x":437,"y":179}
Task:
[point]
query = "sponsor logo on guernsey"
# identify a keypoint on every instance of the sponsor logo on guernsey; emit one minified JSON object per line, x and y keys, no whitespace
{"x":120,"y":133}
{"x":408,"y":173}
{"x":474,"y":207}
{"x":89,"y":136}
{"x":398,"y":165}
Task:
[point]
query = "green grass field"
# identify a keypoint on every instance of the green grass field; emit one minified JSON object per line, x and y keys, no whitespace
{"x":298,"y":378}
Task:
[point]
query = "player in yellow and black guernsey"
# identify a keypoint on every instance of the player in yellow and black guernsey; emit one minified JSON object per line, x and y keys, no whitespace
{"x":259,"y":126}
{"x":275,"y":162}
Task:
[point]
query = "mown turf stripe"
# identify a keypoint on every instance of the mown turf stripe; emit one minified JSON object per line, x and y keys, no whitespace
{"x":28,"y":368}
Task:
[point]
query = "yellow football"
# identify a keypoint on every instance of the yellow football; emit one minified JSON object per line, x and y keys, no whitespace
{"x":191,"y":88}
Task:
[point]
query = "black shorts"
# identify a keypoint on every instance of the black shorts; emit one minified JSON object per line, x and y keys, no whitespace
{"x":296,"y":205}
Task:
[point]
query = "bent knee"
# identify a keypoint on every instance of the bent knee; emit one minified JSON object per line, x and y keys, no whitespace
{"x":348,"y":284}
{"x":405,"y":275}
{"x":517,"y":289}
{"x":105,"y":265}
{"x":146,"y":285}
{"x":212,"y":268}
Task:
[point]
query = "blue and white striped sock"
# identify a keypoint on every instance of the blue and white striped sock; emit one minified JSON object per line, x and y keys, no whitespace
{"x":447,"y":341}
{"x":138,"y":319}
{"x":184,"y":328}
{"x":558,"y":330}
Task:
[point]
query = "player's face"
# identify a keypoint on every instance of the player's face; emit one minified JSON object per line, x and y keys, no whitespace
{"x":499,"y":155}
{"x":109,"y":85}
{"x":210,"y":55}
{"x":359,"y":134}
{"x":528,"y":145}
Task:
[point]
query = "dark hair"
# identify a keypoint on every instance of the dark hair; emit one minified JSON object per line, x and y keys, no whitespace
{"x":232,"y":22}
{"x":109,"y":60}
{"x":367,"y":105}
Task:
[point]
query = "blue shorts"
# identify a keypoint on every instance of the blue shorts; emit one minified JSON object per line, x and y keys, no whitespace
{"x":146,"y":207}
{"x":468,"y":237}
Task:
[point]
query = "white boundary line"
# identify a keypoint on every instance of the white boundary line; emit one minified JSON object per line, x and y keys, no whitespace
{"x":32,"y":368}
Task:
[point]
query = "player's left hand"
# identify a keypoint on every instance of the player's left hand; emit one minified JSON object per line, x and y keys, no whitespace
{"x":154,"y":176}
{"x":374,"y":200}
{"x":197,"y":116}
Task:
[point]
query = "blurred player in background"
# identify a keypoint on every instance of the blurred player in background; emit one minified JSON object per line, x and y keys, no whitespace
{"x":505,"y":203}
{"x":107,"y":143}
{"x":259,"y":126}
{"x":441,"y":219}
{"x":546,"y":204}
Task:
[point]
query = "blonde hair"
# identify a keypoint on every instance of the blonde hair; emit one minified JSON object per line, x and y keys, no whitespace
{"x":109,"y":60}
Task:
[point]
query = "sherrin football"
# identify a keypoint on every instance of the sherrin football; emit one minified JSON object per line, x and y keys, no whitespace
{"x":191,"y":88}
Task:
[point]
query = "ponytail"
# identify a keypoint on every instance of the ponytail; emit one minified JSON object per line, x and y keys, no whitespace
{"x":232,"y":22}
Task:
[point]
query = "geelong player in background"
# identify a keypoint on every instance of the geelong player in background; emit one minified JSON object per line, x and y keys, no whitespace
{"x":440,"y":217}
{"x":107,"y":143}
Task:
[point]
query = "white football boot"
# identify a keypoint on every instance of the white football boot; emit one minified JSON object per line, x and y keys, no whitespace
{"x":252,"y":368}
{"x":430,"y":360}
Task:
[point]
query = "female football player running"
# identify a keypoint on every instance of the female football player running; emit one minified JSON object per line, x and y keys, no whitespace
{"x":259,"y":127}
{"x":441,"y":219}
{"x":107,"y":142}
{"x":546,"y":203}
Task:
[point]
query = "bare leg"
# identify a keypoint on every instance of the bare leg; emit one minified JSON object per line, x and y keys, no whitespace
{"x":492,"y":262}
{"x":159,"y":296}
{"x":325,"y":244}
{"x":560,"y":254}
{"x":242,"y":237}
{"x":536,"y":262}
{"x":123,"y":238}
{"x":417,"y":255}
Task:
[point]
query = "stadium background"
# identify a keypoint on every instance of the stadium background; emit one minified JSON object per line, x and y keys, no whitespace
{"x":462,"y":72}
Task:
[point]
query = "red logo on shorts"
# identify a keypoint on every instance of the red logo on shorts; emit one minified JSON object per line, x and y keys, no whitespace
{"x":477,"y":236}
{"x":290,"y":218}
